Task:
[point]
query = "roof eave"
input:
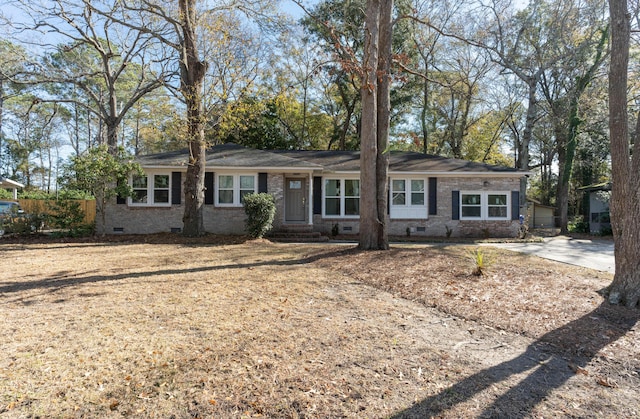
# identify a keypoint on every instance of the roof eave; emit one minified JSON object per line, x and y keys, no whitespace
{"x":462,"y":174}
{"x":183,"y":167}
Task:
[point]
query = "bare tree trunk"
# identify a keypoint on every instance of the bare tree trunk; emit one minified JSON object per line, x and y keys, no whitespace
{"x":625,"y":199}
{"x":369,"y":130}
{"x":383,"y":120}
{"x":425,"y":108}
{"x":375,"y":123}
{"x":1,"y":125}
{"x":192,"y":74}
{"x":522,"y":162}
{"x":562,"y":189}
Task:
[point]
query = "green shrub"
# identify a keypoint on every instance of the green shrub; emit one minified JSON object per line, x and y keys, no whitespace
{"x":5,"y":194}
{"x":61,"y":194}
{"x":38,"y":221}
{"x":16,"y":225}
{"x":69,"y":217}
{"x":75,"y":194}
{"x":35,"y":194}
{"x":578,"y":225}
{"x":261,"y":210}
{"x":606,"y":231}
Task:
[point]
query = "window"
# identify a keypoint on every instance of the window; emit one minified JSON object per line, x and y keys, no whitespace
{"x":151,"y":189}
{"x":408,"y":200}
{"x":471,"y":205}
{"x":398,"y":192}
{"x":332,"y":197}
{"x":161,"y":189}
{"x":225,"y":190}
{"x":403,"y":188}
{"x":247,"y":186}
{"x":139,"y":185}
{"x":497,"y":205}
{"x":231,"y":189}
{"x":484,"y":205}
{"x":417,"y":192}
{"x":351,"y":197}
{"x":342,"y":197}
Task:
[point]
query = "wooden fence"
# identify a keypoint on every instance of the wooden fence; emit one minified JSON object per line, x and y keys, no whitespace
{"x":39,"y":206}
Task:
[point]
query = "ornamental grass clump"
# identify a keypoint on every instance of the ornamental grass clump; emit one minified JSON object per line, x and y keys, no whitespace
{"x":261,"y":210}
{"x":480,"y":262}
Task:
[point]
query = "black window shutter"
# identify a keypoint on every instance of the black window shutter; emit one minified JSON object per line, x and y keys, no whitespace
{"x":317,"y":194}
{"x":515,"y":205}
{"x":455,"y":205}
{"x":262,"y":183}
{"x":208,"y":188}
{"x":176,"y":188}
{"x":433,"y":196}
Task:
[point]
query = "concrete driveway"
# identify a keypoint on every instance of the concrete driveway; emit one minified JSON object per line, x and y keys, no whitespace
{"x":594,"y":254}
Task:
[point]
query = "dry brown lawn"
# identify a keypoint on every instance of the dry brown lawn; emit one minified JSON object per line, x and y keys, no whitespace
{"x":165,"y":327}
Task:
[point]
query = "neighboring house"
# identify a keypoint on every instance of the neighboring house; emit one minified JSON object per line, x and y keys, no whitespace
{"x":428,"y":195}
{"x":599,"y":218}
{"x":11,"y":184}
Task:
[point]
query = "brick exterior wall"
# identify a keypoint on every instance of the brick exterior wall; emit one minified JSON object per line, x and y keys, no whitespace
{"x":436,"y":225}
{"x":275,"y":186}
{"x":146,"y":220}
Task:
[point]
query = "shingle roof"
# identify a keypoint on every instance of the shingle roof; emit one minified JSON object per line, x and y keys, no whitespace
{"x":399,"y":161}
{"x":233,"y":155}
{"x":228,"y":155}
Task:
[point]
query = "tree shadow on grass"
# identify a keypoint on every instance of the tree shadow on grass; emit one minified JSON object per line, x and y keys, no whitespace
{"x":65,"y":279}
{"x":549,"y":362}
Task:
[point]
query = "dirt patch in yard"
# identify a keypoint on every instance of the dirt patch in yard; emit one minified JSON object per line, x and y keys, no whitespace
{"x":161,"y":326}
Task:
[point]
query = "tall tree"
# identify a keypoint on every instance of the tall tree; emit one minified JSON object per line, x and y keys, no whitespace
{"x":12,"y":60}
{"x":563,"y":86}
{"x":32,"y":144}
{"x":431,"y":50}
{"x":336,"y":25}
{"x":625,"y":198}
{"x":98,"y":64}
{"x":178,"y":28}
{"x":522,"y":43}
{"x":375,"y":91}
{"x":299,"y":79}
{"x":192,"y":73}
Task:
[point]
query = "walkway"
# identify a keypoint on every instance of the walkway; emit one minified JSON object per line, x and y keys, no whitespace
{"x":595,"y":254}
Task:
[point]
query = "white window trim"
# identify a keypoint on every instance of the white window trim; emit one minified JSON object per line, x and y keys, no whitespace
{"x":342,"y":197}
{"x":236,"y":188}
{"x":150,"y":191}
{"x":408,"y":210}
{"x":408,"y":192}
{"x":484,"y":205}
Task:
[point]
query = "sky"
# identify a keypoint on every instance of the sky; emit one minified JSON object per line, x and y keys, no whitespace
{"x":293,"y":9}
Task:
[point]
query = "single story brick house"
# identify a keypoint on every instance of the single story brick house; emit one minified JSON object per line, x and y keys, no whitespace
{"x":428,"y":195}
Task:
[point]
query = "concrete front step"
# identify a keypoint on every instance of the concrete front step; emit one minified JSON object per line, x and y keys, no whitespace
{"x":295,"y":228}
{"x":319,"y":239}
{"x":298,"y":235}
